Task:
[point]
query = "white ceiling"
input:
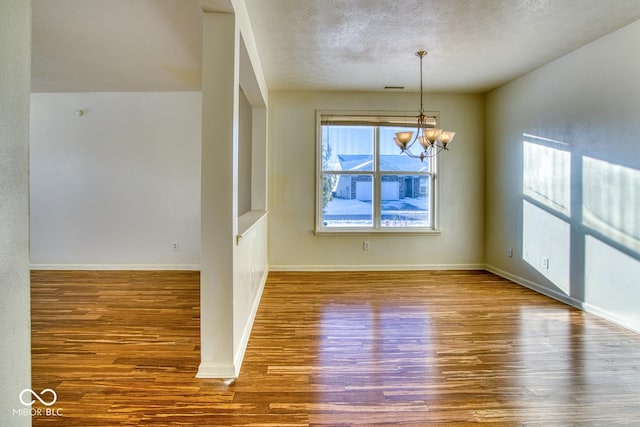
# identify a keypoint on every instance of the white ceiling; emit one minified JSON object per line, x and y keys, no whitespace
{"x":474,"y":45}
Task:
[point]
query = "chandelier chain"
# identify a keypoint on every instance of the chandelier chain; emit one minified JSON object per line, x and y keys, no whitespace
{"x":421,"y":55}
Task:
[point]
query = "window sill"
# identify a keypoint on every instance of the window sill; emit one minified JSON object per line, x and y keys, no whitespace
{"x":395,"y":232}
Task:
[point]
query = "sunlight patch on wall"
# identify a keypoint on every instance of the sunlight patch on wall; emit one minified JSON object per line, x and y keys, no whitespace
{"x":611,"y":281}
{"x":546,"y":245}
{"x":547,"y":172}
{"x":611,"y":201}
{"x":546,"y":233}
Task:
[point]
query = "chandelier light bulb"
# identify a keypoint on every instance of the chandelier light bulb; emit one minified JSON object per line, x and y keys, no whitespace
{"x":432,"y":135}
{"x":404,"y":137}
{"x":446,"y":136}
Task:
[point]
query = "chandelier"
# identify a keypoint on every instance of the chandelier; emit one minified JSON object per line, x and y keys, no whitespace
{"x":431,"y":139}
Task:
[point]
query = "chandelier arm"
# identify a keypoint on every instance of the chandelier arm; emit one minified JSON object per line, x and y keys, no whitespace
{"x":410,"y":154}
{"x":434,"y":150}
{"x":409,"y":145}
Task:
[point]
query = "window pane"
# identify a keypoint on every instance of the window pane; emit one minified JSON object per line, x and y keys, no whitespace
{"x":347,"y":148}
{"x":390,"y":157}
{"x":405,"y":201}
{"x":347,"y":200}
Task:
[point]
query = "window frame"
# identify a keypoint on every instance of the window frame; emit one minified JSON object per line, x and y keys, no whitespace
{"x":384,"y":118}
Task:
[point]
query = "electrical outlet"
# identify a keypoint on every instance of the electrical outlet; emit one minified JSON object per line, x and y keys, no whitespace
{"x":366,"y":245}
{"x":175,"y":246}
{"x":545,"y":262}
{"x":510,"y":252}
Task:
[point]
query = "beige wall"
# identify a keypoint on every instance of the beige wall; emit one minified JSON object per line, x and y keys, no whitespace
{"x":105,"y":196}
{"x":292,"y":243}
{"x":563,"y":178}
{"x":15,"y":356}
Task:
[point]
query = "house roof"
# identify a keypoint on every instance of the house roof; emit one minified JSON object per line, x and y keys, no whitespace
{"x":388,"y":162}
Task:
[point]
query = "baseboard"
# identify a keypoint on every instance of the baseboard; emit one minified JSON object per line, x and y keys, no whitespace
{"x":377,"y":267}
{"x":98,"y":267}
{"x":246,"y":333}
{"x":596,"y":311}
{"x":566,"y":299}
{"x":558,"y":296}
{"x":216,"y":370}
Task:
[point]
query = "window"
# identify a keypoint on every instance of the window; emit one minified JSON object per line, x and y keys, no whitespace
{"x":364,"y":183}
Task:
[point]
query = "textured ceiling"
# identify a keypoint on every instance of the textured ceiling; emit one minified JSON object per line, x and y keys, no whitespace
{"x":474,"y":45}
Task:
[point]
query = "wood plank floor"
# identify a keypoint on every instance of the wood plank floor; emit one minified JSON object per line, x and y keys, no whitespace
{"x":331,"y":349}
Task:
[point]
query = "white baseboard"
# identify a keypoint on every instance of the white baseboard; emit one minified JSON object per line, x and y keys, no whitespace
{"x":216,"y":370}
{"x":377,"y":267}
{"x":611,"y":317}
{"x":98,"y":267}
{"x":566,"y":299}
{"x":558,"y":296}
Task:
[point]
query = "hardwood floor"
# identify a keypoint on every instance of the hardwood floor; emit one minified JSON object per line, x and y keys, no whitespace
{"x":330,"y":349}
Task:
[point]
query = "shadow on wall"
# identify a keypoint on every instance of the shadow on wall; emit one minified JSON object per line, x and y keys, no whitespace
{"x":581,"y":228}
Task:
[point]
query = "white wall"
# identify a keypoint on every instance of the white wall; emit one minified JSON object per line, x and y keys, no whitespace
{"x":250,"y":275}
{"x":563,"y":178}
{"x":292,"y":243}
{"x":219,"y":188}
{"x":118,"y":185}
{"x":234,"y":253}
{"x":15,"y":356}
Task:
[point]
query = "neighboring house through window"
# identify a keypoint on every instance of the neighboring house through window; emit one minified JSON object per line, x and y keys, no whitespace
{"x":364,"y":183}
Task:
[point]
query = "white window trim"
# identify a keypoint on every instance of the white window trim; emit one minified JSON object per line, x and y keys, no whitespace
{"x":377,"y":175}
